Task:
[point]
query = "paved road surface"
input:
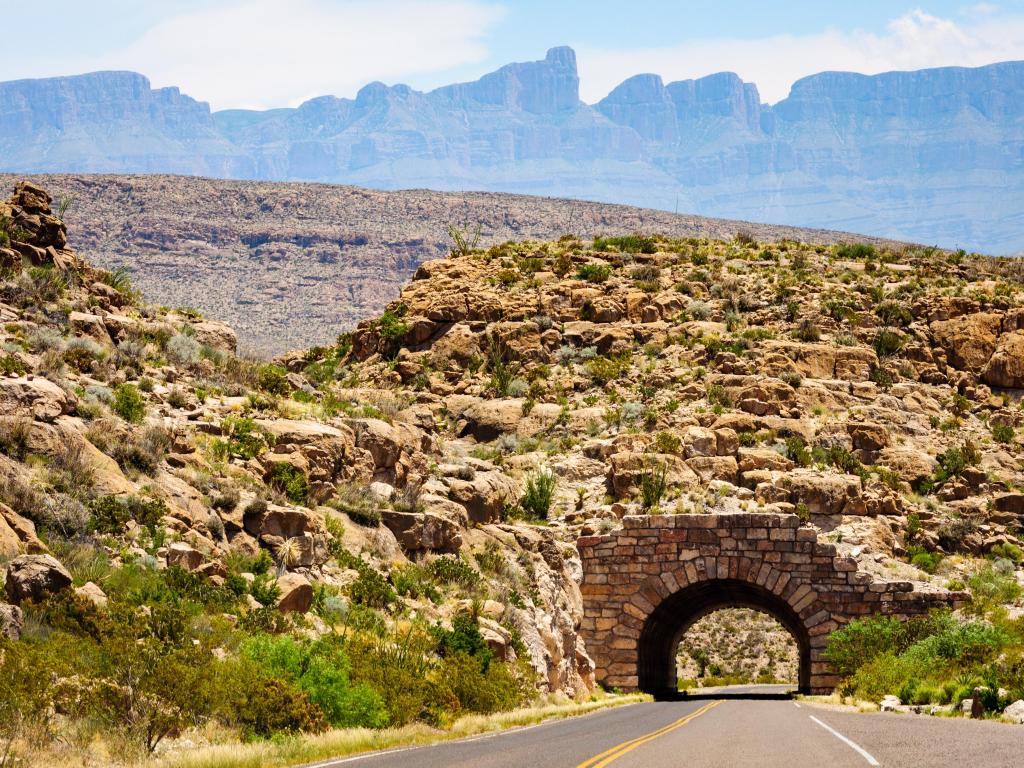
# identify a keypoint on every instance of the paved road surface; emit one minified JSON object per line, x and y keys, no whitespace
{"x":716,"y":733}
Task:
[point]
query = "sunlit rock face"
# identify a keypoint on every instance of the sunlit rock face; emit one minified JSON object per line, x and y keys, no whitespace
{"x":935,"y":155}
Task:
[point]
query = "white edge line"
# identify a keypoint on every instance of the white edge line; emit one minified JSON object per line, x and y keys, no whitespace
{"x":857,"y":748}
{"x":796,"y":704}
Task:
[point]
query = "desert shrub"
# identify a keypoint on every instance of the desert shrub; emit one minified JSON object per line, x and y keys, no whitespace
{"x":593,"y":273}
{"x":893,"y":313}
{"x":110,"y":514}
{"x":453,"y":570}
{"x":501,"y":364}
{"x":242,"y":438}
{"x":605,"y":369}
{"x":855,"y":251}
{"x":1003,"y":433}
{"x":992,"y":586}
{"x":717,"y":396}
{"x":321,"y":670}
{"x":141,"y":452}
{"x":15,"y":434}
{"x":183,"y":349}
{"x":81,"y":353}
{"x":652,"y":486}
{"x":464,"y":240}
{"x":289,"y":480}
{"x":797,"y":451}
{"x":539,"y":494}
{"x":262,"y":707}
{"x":273,"y":379}
{"x":11,"y":366}
{"x":793,"y":378}
{"x":392,"y":330}
{"x":889,"y":342}
{"x":667,"y":442}
{"x":360,"y":509}
{"x":129,"y":403}
{"x":923,"y":559}
{"x":627,"y":244}
{"x":807,"y":331}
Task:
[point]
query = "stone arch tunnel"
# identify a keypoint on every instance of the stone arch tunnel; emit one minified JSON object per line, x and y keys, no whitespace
{"x":646,"y":583}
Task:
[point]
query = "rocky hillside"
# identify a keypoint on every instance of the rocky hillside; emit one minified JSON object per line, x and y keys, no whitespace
{"x":290,"y":265}
{"x":931,"y":156}
{"x":199,"y":548}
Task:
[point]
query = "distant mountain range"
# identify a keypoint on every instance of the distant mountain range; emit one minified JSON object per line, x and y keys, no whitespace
{"x":934,"y":156}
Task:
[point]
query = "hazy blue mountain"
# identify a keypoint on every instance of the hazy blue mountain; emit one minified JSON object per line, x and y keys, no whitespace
{"x":935,"y":155}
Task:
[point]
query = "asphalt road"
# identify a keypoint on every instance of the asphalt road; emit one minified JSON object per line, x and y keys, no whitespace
{"x":717,"y":733}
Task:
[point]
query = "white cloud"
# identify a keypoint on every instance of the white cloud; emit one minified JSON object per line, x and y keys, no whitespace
{"x":269,"y":53}
{"x":916,"y":40}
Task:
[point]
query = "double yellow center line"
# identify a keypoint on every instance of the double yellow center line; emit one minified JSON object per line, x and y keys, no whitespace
{"x":606,"y":757}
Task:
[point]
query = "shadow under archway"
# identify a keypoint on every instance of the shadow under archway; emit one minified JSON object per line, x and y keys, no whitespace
{"x":669,"y":621}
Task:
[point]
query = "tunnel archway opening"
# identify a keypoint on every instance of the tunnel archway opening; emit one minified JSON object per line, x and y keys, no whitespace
{"x":670,"y":620}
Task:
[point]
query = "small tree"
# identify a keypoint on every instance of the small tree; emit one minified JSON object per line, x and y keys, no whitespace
{"x":464,"y":241}
{"x":652,"y":486}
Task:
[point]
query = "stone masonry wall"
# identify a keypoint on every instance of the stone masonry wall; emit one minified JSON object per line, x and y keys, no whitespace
{"x":628,"y":573}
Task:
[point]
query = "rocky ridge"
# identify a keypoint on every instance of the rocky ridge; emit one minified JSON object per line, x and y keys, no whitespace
{"x":289,"y":265}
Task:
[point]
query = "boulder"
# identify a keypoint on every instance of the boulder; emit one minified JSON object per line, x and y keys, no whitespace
{"x":1015,"y":712}
{"x":217,"y":335}
{"x":35,"y":577}
{"x":484,"y":497}
{"x":11,"y":621}
{"x":1006,"y":366}
{"x":912,"y":465}
{"x":868,"y":439}
{"x":753,"y":459}
{"x":296,"y":593}
{"x":379,"y":438}
{"x":710,"y":468}
{"x":184,"y":556}
{"x":699,"y":441}
{"x":626,"y":470}
{"x":93,"y":594}
{"x":89,"y":326}
{"x":968,"y":340}
{"x":824,"y":494}
{"x":890,"y":704}
{"x":423,"y":531}
{"x":33,"y":397}
{"x":18,"y":534}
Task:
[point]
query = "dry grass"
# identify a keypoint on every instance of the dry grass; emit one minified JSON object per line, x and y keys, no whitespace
{"x":340,"y":743}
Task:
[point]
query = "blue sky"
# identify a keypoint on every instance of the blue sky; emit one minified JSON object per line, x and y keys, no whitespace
{"x":263,"y":53}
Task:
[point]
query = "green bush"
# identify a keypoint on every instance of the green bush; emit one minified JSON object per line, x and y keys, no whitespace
{"x":889,"y":342}
{"x":262,"y":707}
{"x":539,"y":494}
{"x":110,"y":514}
{"x":855,"y":251}
{"x":627,"y":244}
{"x":453,"y":570}
{"x":289,"y":480}
{"x":1002,"y":433}
{"x":593,"y":273}
{"x":321,"y":670}
{"x":129,"y":403}
{"x":273,"y":379}
{"x":242,"y":438}
{"x":605,"y":369}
